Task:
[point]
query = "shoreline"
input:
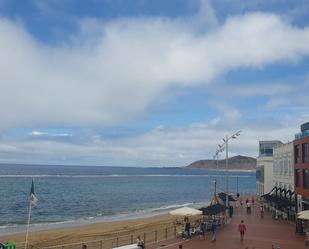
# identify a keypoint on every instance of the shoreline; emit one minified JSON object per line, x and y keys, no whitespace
{"x":14,"y":229}
{"x":229,"y":170}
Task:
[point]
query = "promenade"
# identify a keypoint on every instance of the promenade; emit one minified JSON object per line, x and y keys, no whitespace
{"x":261,"y":234}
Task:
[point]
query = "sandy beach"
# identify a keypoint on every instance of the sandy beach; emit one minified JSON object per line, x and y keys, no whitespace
{"x":125,"y":230}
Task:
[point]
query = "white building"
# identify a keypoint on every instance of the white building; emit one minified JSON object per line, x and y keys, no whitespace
{"x":283,"y":170}
{"x":264,"y":166}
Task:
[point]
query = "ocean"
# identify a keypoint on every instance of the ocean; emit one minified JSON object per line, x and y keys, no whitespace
{"x":76,"y":195}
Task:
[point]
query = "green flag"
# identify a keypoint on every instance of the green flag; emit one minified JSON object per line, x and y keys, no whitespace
{"x":33,"y":198}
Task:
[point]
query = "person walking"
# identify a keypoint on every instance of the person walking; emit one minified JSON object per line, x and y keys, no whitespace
{"x":231,"y":211}
{"x":214,"y":231}
{"x":202,"y":229}
{"x":242,"y":229}
{"x":262,"y":211}
{"x":248,"y":208}
{"x":187,"y":230}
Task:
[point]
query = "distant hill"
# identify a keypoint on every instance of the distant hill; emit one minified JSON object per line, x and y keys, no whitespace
{"x":242,"y":163}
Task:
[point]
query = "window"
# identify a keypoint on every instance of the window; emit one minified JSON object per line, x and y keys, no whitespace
{"x":305,"y":152}
{"x":260,"y":173}
{"x":296,"y":153}
{"x":297,"y":178}
{"x":281,"y":167}
{"x":275,"y":170}
{"x":305,"y":178}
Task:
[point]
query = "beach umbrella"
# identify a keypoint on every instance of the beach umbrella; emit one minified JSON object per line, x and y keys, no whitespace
{"x":302,"y":212}
{"x":304,"y":216}
{"x":186,"y":211}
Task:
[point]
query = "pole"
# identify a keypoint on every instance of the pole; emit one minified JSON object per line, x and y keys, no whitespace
{"x":217,"y":161}
{"x":237,"y":184}
{"x":215,"y":188}
{"x":226,"y":168}
{"x":216,"y":173}
{"x":27,"y":232}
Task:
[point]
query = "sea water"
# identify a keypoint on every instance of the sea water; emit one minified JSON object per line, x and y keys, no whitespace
{"x":75,"y":195}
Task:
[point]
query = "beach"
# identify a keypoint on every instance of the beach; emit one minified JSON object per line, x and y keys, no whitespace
{"x":97,"y":232}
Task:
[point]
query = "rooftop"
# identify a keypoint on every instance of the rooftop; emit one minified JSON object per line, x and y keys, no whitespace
{"x":302,"y":135}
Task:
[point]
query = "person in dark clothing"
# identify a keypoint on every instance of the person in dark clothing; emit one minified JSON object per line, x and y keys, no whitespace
{"x":187,"y":229}
{"x":231,"y":211}
{"x":214,"y":230}
{"x":202,"y":230}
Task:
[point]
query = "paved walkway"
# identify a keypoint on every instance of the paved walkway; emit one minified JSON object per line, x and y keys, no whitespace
{"x":261,"y":234}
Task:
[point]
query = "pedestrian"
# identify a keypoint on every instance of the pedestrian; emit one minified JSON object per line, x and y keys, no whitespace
{"x":187,"y":229}
{"x":242,"y":229}
{"x":140,"y":242}
{"x":231,"y":210}
{"x":214,"y":231}
{"x":202,"y":230}
{"x":248,"y":207}
{"x":84,"y":246}
{"x":276,"y":214}
{"x":262,"y":211}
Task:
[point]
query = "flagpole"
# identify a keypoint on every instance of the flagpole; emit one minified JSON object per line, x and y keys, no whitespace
{"x":27,"y":232}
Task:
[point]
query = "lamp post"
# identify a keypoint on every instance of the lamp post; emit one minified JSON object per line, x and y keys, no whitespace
{"x":216,"y":157}
{"x":226,"y":146}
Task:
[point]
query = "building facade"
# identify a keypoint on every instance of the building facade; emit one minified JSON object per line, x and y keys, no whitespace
{"x":301,"y":166}
{"x":283,"y":167}
{"x":264,"y":166}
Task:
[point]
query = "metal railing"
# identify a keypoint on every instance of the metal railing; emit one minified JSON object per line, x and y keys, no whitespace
{"x":149,"y":237}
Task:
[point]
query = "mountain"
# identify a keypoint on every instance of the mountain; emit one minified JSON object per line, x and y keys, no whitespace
{"x":242,"y":163}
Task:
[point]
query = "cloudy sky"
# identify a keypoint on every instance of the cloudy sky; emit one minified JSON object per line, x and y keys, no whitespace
{"x":149,"y":83}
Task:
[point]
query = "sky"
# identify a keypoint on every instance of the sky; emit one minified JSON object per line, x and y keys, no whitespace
{"x":149,"y":83}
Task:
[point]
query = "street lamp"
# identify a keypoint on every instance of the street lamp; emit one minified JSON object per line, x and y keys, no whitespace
{"x":226,"y":146}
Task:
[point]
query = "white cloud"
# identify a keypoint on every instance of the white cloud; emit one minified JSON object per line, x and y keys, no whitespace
{"x":61,"y":135}
{"x":38,"y":133}
{"x":114,"y":76}
{"x":112,"y":72}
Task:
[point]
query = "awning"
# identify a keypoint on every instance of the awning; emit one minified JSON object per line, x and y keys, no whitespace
{"x":213,"y":209}
{"x":279,"y":201}
{"x":222,"y":196}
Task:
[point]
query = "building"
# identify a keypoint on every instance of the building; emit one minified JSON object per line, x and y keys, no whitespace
{"x":264,"y":166}
{"x":301,"y":166}
{"x":282,"y":197}
{"x":283,"y":167}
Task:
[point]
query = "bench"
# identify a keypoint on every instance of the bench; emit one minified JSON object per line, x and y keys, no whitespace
{"x":132,"y":246}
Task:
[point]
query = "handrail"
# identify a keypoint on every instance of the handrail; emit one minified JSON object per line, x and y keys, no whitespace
{"x":129,"y":236}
